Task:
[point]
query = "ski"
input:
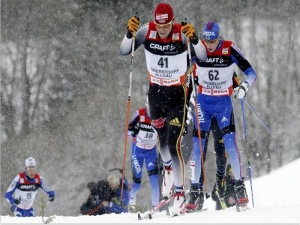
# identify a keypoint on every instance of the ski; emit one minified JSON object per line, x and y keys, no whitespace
{"x":195,"y":210}
{"x":164,"y":202}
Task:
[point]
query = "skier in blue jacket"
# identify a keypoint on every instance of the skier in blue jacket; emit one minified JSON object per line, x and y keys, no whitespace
{"x":25,"y":187}
{"x":213,"y":100}
{"x":219,"y":150}
{"x":144,"y":141}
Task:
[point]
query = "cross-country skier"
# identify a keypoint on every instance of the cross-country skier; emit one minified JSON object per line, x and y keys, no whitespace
{"x":219,"y":149}
{"x":143,"y":151}
{"x":165,"y":45}
{"x":213,"y":100}
{"x":25,"y":188}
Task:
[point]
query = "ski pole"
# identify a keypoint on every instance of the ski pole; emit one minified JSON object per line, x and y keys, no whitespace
{"x":251,"y":108}
{"x":247,"y":150}
{"x":197,"y":119}
{"x":127,"y":112}
{"x":114,"y":169}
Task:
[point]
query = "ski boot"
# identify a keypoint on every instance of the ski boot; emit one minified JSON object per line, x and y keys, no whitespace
{"x":241,"y":194}
{"x":167,"y":183}
{"x":194,"y":199}
{"x":201,"y":201}
{"x":179,"y":203}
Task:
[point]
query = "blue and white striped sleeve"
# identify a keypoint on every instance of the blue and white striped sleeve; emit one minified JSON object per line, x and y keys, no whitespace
{"x":46,"y":188}
{"x":11,"y":190}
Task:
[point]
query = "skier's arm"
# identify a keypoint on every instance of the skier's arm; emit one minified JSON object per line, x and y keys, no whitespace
{"x":239,"y":59}
{"x":134,"y":123}
{"x":200,"y":51}
{"x":125,"y":48}
{"x":11,"y":190}
{"x":243,"y":64}
{"x":47,"y":189}
{"x":189,"y":31}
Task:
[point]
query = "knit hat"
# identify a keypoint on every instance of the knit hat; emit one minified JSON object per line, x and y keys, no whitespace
{"x":30,"y":162}
{"x":211,"y":31}
{"x":163,"y":13}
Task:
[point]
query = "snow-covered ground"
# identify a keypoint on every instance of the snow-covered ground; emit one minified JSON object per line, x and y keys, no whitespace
{"x":276,"y":200}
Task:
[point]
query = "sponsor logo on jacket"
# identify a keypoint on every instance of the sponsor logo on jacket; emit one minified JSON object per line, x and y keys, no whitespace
{"x":159,"y":123}
{"x":146,"y":126}
{"x":163,"y":47}
{"x":28,"y":187}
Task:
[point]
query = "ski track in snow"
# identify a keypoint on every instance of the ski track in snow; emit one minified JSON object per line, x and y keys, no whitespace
{"x":276,"y":199}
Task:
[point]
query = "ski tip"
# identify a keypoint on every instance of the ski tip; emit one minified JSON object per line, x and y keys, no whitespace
{"x":139,"y":216}
{"x":150,"y":216}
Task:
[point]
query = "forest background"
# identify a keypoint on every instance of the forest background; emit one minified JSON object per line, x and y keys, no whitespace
{"x":64,"y":88}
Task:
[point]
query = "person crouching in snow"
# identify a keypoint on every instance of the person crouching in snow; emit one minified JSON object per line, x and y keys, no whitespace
{"x":116,"y":204}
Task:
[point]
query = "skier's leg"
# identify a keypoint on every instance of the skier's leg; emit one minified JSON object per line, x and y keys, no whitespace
{"x":137,"y":162}
{"x":151,"y":165}
{"x":228,"y":132}
{"x":196,"y":195}
{"x":221,"y":163}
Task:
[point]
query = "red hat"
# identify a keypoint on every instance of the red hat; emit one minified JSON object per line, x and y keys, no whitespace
{"x":163,"y":13}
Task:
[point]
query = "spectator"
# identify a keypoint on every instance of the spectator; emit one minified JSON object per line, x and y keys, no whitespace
{"x":116,"y":204}
{"x":98,"y":192}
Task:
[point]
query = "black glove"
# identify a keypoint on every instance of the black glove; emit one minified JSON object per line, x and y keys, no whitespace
{"x":17,"y":201}
{"x":51,"y":198}
{"x":134,"y":126}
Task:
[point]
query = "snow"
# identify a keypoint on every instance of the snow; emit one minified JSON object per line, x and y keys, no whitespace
{"x":276,"y":200}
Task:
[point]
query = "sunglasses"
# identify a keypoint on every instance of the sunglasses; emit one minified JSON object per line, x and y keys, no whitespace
{"x":165,"y":26}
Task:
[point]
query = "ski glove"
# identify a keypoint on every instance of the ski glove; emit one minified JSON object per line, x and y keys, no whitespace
{"x":133,"y":24}
{"x":17,"y":201}
{"x":51,"y":198}
{"x":189,"y":31}
{"x":241,"y":90}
